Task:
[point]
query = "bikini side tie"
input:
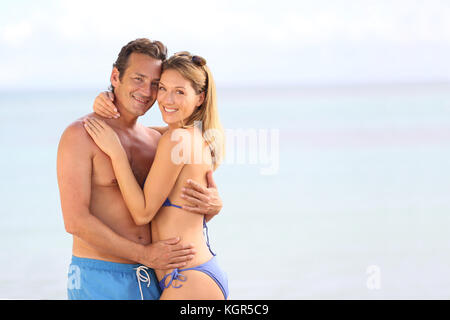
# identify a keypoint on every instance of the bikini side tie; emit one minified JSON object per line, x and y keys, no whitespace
{"x":174,"y":275}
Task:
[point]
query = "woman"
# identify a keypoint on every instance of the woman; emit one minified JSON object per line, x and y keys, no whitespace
{"x":187,"y":101}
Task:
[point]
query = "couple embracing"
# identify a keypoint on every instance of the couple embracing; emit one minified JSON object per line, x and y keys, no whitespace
{"x":137,"y":200}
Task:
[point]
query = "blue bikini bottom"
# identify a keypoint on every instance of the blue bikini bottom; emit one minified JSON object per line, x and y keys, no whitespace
{"x":211,"y":268}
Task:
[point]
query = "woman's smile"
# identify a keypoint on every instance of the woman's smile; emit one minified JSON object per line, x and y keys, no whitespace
{"x":170,"y":110}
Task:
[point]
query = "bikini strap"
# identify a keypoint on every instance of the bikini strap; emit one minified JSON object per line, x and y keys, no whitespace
{"x":167,"y":203}
{"x":205,"y":227}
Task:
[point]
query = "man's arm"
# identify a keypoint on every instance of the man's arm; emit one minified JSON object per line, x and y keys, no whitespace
{"x":74,"y":169}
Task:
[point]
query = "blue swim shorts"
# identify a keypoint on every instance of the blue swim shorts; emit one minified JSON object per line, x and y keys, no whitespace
{"x":91,"y":279}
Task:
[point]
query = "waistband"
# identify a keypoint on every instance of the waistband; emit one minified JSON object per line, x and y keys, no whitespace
{"x":104,"y":265}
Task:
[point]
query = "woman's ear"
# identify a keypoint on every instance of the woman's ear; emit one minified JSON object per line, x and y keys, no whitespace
{"x":115,"y":74}
{"x":201,"y":98}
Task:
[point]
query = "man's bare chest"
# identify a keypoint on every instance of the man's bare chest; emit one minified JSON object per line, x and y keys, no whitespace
{"x":140,"y":156}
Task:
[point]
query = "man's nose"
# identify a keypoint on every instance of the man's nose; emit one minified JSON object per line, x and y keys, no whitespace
{"x":148,"y":90}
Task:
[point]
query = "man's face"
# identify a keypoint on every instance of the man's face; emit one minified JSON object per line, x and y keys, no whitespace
{"x":137,"y":90}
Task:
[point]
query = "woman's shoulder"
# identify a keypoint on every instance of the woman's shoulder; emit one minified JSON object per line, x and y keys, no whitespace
{"x":182,"y":134}
{"x":175,"y":137}
{"x":188,"y":143}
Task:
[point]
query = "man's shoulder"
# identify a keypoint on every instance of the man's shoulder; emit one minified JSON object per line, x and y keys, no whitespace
{"x":152,"y":133}
{"x":150,"y":130}
{"x":76,"y":134}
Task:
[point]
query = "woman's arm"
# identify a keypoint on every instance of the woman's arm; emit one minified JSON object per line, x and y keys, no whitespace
{"x":104,"y":105}
{"x":143,"y":204}
{"x":163,"y":174}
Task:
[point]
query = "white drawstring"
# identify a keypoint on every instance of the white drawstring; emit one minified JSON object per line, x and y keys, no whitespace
{"x":142,"y":277}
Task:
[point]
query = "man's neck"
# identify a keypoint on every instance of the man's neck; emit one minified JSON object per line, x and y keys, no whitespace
{"x":126,"y":120}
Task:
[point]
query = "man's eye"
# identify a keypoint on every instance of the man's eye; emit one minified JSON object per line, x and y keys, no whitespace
{"x":138,"y":79}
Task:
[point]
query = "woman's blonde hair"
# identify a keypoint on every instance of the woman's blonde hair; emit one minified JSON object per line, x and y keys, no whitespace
{"x":194,"y":69}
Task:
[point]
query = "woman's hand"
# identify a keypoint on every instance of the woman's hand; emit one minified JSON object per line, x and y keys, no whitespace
{"x":104,"y":136}
{"x":104,"y":105}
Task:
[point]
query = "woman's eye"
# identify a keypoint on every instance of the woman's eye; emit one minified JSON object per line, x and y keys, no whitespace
{"x":180,"y":92}
{"x":162,"y":88}
{"x":138,"y":79}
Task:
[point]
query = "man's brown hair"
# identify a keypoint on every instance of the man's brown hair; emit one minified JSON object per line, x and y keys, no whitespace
{"x":154,"y":49}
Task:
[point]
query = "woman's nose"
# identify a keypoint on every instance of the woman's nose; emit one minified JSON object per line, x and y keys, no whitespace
{"x":168,"y":98}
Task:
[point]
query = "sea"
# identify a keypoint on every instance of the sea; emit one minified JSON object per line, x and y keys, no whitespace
{"x":329,"y":192}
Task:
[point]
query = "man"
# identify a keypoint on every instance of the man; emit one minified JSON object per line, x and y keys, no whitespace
{"x":110,"y":252}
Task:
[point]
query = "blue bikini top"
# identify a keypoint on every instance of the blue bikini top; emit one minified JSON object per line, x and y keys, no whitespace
{"x":167,"y":203}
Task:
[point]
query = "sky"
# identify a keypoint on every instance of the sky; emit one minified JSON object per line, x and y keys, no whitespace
{"x":73,"y":44}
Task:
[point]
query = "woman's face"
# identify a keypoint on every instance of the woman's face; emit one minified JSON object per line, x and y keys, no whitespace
{"x":177,"y":98}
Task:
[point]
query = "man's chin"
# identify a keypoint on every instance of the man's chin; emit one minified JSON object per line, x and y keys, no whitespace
{"x":145,"y":111}
{"x":141,"y":110}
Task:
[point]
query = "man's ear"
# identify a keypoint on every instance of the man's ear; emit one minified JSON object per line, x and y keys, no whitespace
{"x":201,"y":98}
{"x":115,"y":81}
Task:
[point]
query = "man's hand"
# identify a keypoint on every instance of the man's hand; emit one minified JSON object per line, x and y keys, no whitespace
{"x":203,"y":200}
{"x":167,"y":254}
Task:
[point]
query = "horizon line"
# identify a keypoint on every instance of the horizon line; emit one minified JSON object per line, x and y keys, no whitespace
{"x":278,"y":86}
